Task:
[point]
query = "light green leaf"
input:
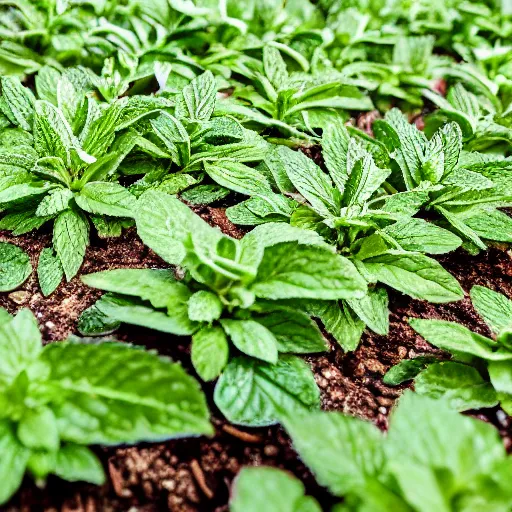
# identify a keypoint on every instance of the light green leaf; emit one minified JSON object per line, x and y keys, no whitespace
{"x":373,"y":310}
{"x":255,"y":393}
{"x":104,"y":198}
{"x":416,"y":275}
{"x":78,"y":463}
{"x":270,"y":489}
{"x":15,"y":267}
{"x":210,"y":352}
{"x":197,"y":99}
{"x":12,"y":463}
{"x":294,"y":331}
{"x":38,"y":430}
{"x":238,"y":177}
{"x":493,"y":307}
{"x":56,"y":201}
{"x":101,"y":402}
{"x":49,"y":271}
{"x":342,"y":451}
{"x":252,"y":338}
{"x":173,"y":134}
{"x":18,"y":102}
{"x":204,"y":306}
{"x":70,"y":239}
{"x":461,"y":385}
{"x":275,"y":67}
{"x":93,"y":322}
{"x":289,"y":270}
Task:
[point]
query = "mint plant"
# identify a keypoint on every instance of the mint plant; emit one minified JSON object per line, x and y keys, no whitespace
{"x":464,"y":189}
{"x":58,"y":399}
{"x":479,"y":373}
{"x":408,"y":469}
{"x":243,"y":291}
{"x":15,"y":267}
{"x":350,"y":207}
{"x":59,"y":162}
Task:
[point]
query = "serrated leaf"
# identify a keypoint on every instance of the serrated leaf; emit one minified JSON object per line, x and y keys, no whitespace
{"x":19,"y":101}
{"x":373,"y":310}
{"x":70,"y":239}
{"x":104,"y":198}
{"x":255,"y":393}
{"x":495,"y":308}
{"x":173,"y":134}
{"x":49,"y":271}
{"x":56,"y":201}
{"x":204,"y":306}
{"x":197,"y":99}
{"x":416,"y":275}
{"x":252,"y":338}
{"x":290,"y":270}
{"x":209,"y":352}
{"x":461,"y":385}
{"x":92,"y":322}
{"x":15,"y":267}
{"x":167,"y":403}
{"x":238,"y":177}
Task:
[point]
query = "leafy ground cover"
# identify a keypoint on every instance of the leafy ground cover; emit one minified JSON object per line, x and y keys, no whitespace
{"x":243,"y":230}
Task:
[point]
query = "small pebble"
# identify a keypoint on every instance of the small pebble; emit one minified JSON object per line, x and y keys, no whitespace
{"x":270,"y":450}
{"x":19,"y":297}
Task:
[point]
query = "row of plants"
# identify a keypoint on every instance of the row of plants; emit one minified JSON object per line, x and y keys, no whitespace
{"x":118,"y":115}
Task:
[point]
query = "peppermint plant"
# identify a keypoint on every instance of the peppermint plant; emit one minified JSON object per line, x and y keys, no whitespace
{"x":59,"y":162}
{"x":452,"y":463}
{"x":465,"y":189}
{"x":58,"y":399}
{"x":479,"y":373}
{"x":232,"y":296}
{"x":353,"y":207}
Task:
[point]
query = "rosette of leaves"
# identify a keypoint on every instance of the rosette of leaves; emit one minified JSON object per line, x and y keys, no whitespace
{"x":350,"y":207}
{"x":56,"y":400}
{"x":432,"y":458}
{"x":483,"y":124}
{"x":479,"y":373}
{"x":238,"y":296}
{"x":195,"y":139}
{"x":293,"y":102}
{"x":465,"y":189}
{"x":60,"y":163}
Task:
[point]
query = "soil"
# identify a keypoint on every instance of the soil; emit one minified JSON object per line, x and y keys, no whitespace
{"x":195,"y":475}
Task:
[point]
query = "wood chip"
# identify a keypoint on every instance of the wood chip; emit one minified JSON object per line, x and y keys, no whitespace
{"x":198,"y":473}
{"x":243,"y":436}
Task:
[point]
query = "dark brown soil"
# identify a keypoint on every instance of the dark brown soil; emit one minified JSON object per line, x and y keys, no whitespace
{"x":195,"y":475}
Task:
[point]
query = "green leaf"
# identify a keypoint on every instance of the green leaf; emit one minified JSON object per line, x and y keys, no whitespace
{"x":197,"y":99}
{"x":56,"y":201}
{"x":493,"y":307}
{"x":12,"y":463}
{"x":104,"y":198}
{"x":416,"y":275}
{"x":100,"y":401}
{"x":373,"y":310}
{"x":315,"y":185}
{"x":173,"y":134}
{"x":252,"y":338}
{"x":458,"y":339}
{"x":290,"y":270}
{"x":133,"y":311}
{"x":340,"y":322}
{"x":343,"y":452}
{"x":78,"y":463}
{"x":70,"y":239}
{"x":210,"y":352}
{"x":461,"y":385}
{"x":255,"y":393}
{"x":419,"y":235}
{"x":406,"y":370}
{"x":275,"y":67}
{"x":270,"y":489}
{"x":20,"y":345}
{"x":204,"y":306}
{"x":491,"y":224}
{"x":335,"y":143}
{"x":38,"y":430}
{"x":49,"y":271}
{"x":205,"y":194}
{"x":364,"y":180}
{"x":294,"y":331}
{"x":19,"y":102}
{"x":238,"y":177}
{"x":164,"y":223}
{"x":93,"y":322}
{"x":15,"y":267}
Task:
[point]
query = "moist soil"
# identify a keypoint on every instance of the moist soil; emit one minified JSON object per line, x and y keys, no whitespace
{"x":195,"y":475}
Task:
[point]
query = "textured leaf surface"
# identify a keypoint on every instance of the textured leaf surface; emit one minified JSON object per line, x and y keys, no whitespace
{"x":15,"y":267}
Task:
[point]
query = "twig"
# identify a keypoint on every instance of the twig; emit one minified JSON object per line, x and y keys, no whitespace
{"x":198,"y":473}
